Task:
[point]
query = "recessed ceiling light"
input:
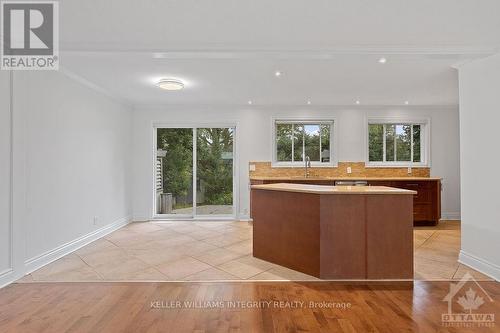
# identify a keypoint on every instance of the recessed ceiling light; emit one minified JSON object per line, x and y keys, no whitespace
{"x":358,"y":102}
{"x":382,"y":60}
{"x":308,"y":102}
{"x":249,"y":102}
{"x":407,"y":102}
{"x":170,"y":84}
{"x":277,"y":73}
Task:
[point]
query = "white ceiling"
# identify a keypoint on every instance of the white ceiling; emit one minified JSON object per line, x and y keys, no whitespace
{"x":227,"y":51}
{"x":341,"y":80}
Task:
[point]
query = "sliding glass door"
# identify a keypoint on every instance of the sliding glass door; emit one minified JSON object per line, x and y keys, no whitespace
{"x":214,"y":171}
{"x":194,"y":172}
{"x":174,"y":171}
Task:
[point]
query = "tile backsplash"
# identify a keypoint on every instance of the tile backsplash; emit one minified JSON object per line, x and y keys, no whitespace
{"x":358,"y":169}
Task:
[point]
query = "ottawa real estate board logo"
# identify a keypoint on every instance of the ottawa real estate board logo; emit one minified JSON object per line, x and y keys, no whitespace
{"x":29,"y":35}
{"x":467,"y":301}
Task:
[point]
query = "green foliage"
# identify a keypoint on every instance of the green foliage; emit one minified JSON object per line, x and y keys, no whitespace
{"x":398,"y":141}
{"x":177,"y":164}
{"x":403,"y":143}
{"x":306,"y":140}
{"x":284,"y":142}
{"x":376,"y":140}
{"x":215,"y":164}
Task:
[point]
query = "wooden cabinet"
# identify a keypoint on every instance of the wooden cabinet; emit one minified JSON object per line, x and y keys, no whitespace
{"x":426,"y":203}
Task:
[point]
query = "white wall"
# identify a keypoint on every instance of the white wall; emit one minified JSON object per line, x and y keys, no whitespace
{"x":5,"y":163}
{"x":479,"y":120}
{"x":72,"y":162}
{"x":254,"y":142}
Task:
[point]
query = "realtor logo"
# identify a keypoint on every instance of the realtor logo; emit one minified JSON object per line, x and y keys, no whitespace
{"x":30,"y":35}
{"x":470,"y":296}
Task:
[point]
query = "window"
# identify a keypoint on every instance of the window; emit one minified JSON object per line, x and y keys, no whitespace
{"x":296,"y":140}
{"x":396,"y":143}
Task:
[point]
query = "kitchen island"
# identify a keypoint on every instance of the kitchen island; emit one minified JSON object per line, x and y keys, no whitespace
{"x":335,"y":232}
{"x":426,"y":203}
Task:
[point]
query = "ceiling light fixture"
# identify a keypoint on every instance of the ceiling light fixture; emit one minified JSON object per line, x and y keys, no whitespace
{"x":358,"y":102}
{"x":170,"y":84}
{"x":308,"y":102}
{"x":249,"y":102}
{"x":382,"y":60}
{"x":277,"y":73}
{"x":406,"y":102}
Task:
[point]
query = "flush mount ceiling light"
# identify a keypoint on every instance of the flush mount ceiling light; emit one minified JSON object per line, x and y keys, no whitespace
{"x":308,"y":102}
{"x":170,"y":84}
{"x":249,"y":102}
{"x":358,"y":102}
{"x":382,"y":60}
{"x":277,"y":73}
{"x":407,"y":102}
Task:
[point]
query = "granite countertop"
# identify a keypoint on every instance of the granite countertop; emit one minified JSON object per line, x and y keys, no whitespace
{"x":341,"y":178}
{"x":321,"y":189}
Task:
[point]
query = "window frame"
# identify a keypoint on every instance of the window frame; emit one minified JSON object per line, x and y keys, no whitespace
{"x":425,"y":139}
{"x":312,"y":121}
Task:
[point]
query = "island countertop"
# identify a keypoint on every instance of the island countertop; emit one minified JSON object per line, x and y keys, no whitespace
{"x":322,"y":189}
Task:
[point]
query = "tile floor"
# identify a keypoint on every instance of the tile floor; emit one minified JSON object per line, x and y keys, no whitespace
{"x":201,"y":251}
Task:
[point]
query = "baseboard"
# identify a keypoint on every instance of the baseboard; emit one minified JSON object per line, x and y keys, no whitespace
{"x":450,"y":216}
{"x":244,"y":218}
{"x":141,"y":218}
{"x":60,"y":251}
{"x":480,"y":265}
{"x":6,"y":277}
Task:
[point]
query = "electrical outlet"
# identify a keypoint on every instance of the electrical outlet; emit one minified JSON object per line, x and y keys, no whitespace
{"x":252,"y":167}
{"x":349,"y":170}
{"x":409,"y":170}
{"x":96,"y":220}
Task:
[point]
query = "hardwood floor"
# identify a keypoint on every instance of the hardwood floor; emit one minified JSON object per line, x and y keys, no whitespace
{"x":143,"y":307}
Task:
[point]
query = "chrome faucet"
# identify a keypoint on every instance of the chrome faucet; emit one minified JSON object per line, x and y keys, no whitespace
{"x":307,"y":166}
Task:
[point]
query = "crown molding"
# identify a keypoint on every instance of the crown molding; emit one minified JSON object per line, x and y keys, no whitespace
{"x":277,"y":107}
{"x":463,"y":63}
{"x":214,"y":51}
{"x":97,"y":88}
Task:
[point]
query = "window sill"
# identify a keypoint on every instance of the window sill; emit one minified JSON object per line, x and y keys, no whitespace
{"x":390,"y":165}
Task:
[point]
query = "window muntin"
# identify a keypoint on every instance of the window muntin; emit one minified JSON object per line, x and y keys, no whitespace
{"x":396,"y":143}
{"x":296,"y":139}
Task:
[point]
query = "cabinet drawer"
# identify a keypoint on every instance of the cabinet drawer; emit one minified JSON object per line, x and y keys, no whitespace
{"x":312,"y":182}
{"x":422,"y":212}
{"x":423,"y":189}
{"x":381,"y":183}
{"x":414,"y":185}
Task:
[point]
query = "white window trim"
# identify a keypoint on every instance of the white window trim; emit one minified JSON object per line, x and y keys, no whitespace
{"x":425,"y":144}
{"x":333,"y":142}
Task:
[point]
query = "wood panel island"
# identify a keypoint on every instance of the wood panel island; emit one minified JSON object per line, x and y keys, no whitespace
{"x":335,"y":232}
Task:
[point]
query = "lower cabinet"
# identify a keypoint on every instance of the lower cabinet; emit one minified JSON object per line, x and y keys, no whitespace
{"x":426,"y":203}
